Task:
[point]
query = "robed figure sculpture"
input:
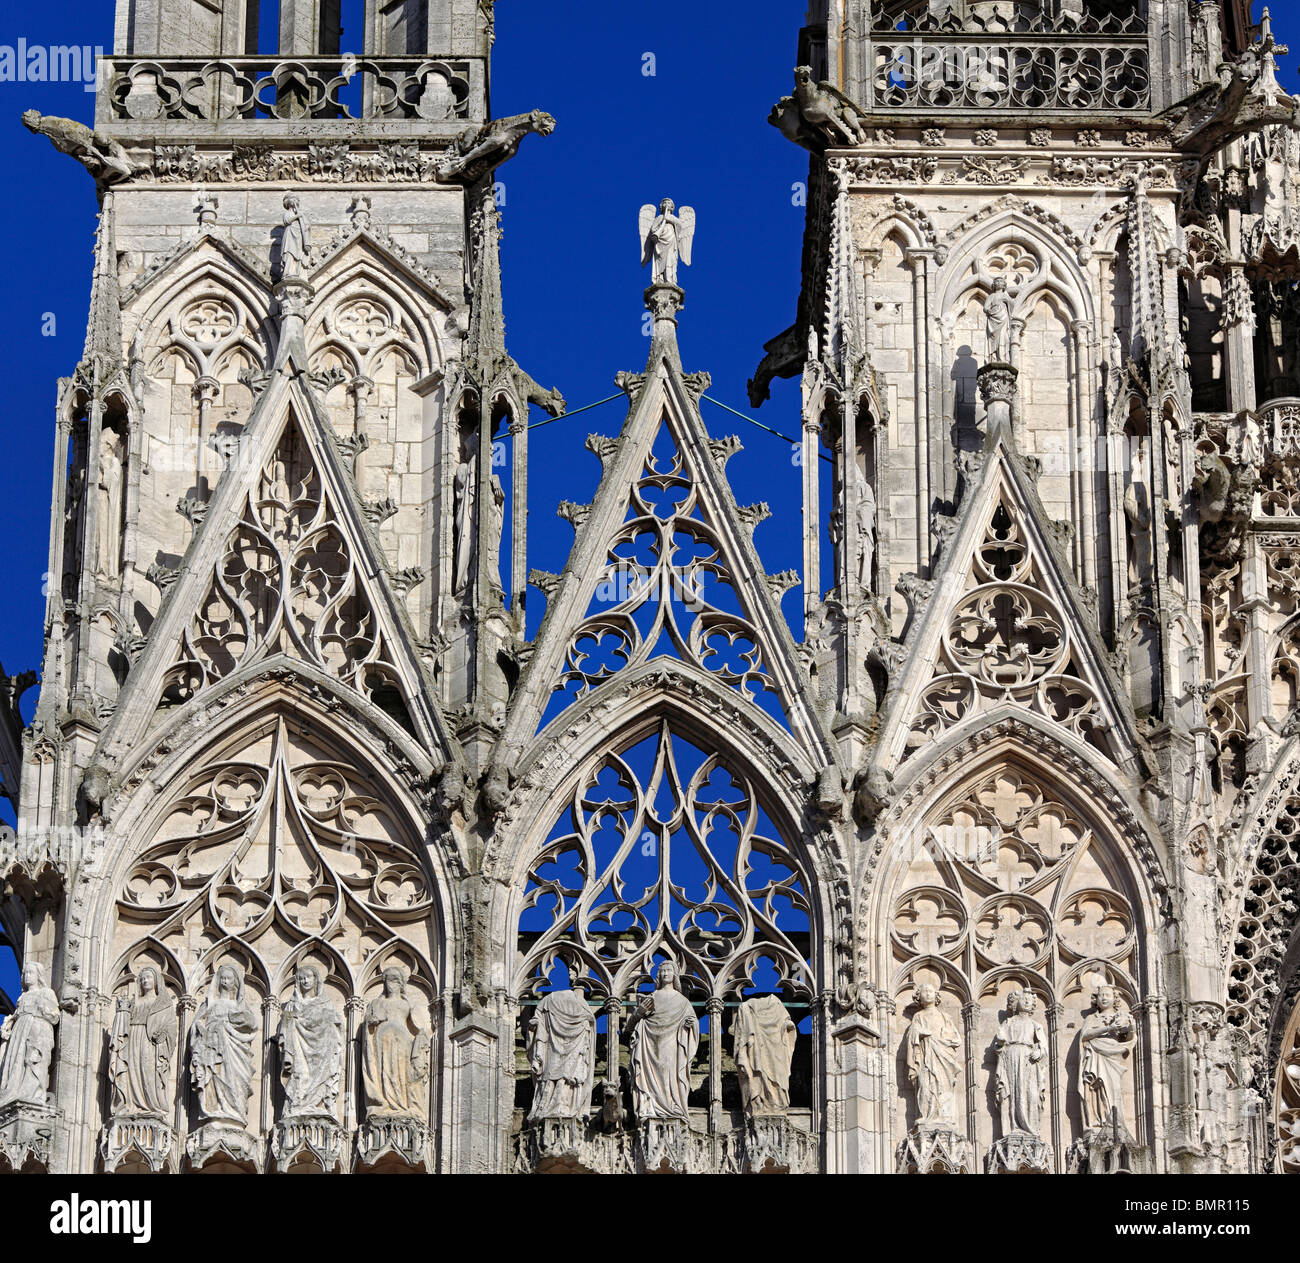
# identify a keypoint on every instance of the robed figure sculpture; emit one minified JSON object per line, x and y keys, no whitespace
{"x":663,"y":1035}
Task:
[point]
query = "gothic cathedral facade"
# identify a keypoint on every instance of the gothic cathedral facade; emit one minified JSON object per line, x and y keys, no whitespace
{"x":323,"y":863}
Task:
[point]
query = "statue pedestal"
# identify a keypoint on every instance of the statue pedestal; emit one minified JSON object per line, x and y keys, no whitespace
{"x":935,"y":1150}
{"x":390,"y":1143}
{"x":26,"y":1136}
{"x":223,"y":1147}
{"x":997,"y":387}
{"x":662,"y":1145}
{"x":1108,"y":1150}
{"x":137,"y":1144}
{"x":664,"y":302}
{"x":773,"y":1145}
{"x":1020,"y":1154}
{"x":563,"y":1146}
{"x":308,"y":1142}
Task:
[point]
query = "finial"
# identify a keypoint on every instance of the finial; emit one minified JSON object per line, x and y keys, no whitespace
{"x":666,"y":238}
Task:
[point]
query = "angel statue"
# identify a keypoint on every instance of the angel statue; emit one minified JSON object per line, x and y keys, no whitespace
{"x":665,"y":238}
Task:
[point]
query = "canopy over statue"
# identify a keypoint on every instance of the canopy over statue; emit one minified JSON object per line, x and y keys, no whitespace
{"x":666,"y":237}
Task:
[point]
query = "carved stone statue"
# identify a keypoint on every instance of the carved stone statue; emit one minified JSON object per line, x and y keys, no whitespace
{"x":1104,"y":1046}
{"x":763,"y":1040}
{"x":866,"y":520}
{"x":933,"y":1059}
{"x":27,"y":1041}
{"x":666,"y":239}
{"x":1021,"y":1045}
{"x":294,"y":252}
{"x":496,"y":520}
{"x":222,"y":1048}
{"x":477,"y":151}
{"x":108,"y":513}
{"x":663,"y":1035}
{"x":1137,"y":512}
{"x":103,"y":157}
{"x":1252,"y":442}
{"x":395,"y":1053}
{"x":562,"y":1056}
{"x":142,"y":1044}
{"x":462,"y":528}
{"x":310,"y":1037}
{"x":997,"y":322}
{"x":818,"y":114}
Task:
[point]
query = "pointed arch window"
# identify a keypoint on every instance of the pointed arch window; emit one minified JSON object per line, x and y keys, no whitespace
{"x":665,"y":853}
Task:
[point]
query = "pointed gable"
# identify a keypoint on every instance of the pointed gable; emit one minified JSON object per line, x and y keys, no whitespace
{"x":664,"y":566}
{"x":1006,"y":625}
{"x":281,"y":566}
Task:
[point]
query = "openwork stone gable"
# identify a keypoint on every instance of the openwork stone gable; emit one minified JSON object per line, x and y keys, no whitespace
{"x":325,"y":864}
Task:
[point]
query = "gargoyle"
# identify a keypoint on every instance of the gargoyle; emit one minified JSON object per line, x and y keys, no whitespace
{"x":104,"y":158}
{"x":1247,"y":97}
{"x":1223,"y":499}
{"x":784,"y":358}
{"x":818,"y":114}
{"x":871,"y":791}
{"x":551,"y":399}
{"x":478,"y":151}
{"x":494,"y":790}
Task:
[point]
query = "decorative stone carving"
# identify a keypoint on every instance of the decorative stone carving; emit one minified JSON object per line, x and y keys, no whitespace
{"x":223,"y":1048}
{"x":1105,"y":1045}
{"x":310,"y":1038}
{"x":663,"y":1035}
{"x":27,"y":1042}
{"x":142,"y":1046}
{"x":395,"y":1054}
{"x":934,"y":1060}
{"x":666,"y":238}
{"x":763,"y":1038}
{"x":562,"y":1056}
{"x":1021,"y":1046}
{"x":295,"y":252}
{"x":102,"y":156}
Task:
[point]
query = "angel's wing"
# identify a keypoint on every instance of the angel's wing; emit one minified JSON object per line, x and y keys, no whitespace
{"x":648,"y":214}
{"x":685,"y":234}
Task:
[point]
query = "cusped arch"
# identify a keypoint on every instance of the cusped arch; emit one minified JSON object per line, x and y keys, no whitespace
{"x":1063,"y":766}
{"x":906,"y":218}
{"x":553,"y":774}
{"x":356,"y":277}
{"x":1017,"y":224}
{"x":185,"y":282}
{"x":339,"y":817}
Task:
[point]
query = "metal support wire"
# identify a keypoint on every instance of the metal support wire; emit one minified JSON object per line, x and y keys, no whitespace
{"x":717,"y":403}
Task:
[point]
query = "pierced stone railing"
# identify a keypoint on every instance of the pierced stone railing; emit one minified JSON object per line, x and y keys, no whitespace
{"x":962,"y":72}
{"x":995,"y":55}
{"x":346,"y":88}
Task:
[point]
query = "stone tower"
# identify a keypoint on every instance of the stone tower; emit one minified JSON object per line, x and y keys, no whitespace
{"x":1045,"y":338}
{"x":321,"y":865}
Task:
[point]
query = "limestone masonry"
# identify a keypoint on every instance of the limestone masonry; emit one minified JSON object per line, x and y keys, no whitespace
{"x":322,"y":864}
